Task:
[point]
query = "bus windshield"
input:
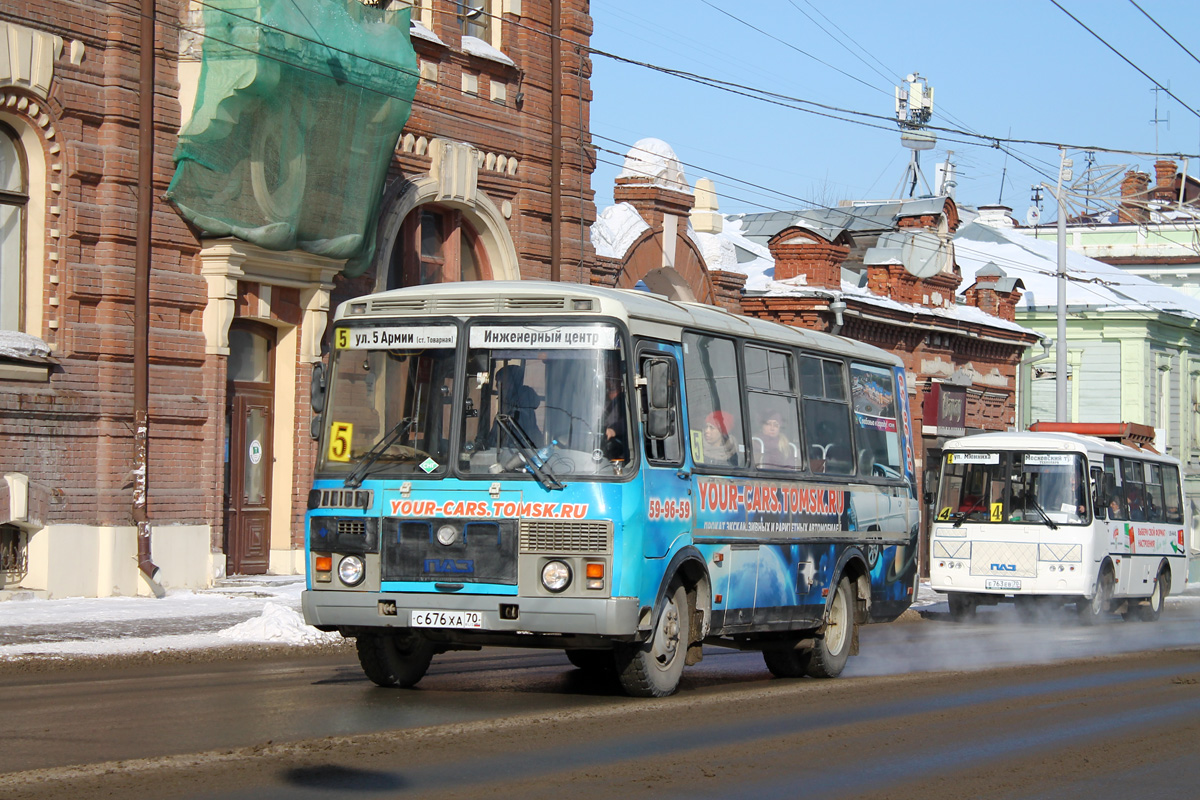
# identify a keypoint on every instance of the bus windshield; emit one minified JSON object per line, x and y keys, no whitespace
{"x":1037,"y":488}
{"x":389,"y":408}
{"x":551,"y":393}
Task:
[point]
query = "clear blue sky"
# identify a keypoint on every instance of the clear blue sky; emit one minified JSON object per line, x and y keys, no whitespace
{"x":1010,"y":69}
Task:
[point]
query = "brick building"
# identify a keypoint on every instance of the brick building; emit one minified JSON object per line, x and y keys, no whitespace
{"x":232,"y":328}
{"x":882,"y":273}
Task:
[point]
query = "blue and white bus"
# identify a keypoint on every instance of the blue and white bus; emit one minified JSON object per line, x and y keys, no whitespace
{"x":608,"y":473}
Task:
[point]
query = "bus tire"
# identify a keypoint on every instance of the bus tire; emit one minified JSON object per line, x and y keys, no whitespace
{"x":1093,"y":610}
{"x":788,"y":663}
{"x":1152,"y":610}
{"x":832,"y":647}
{"x":962,"y":606}
{"x":394,"y":659}
{"x":593,"y":662}
{"x":653,"y":668}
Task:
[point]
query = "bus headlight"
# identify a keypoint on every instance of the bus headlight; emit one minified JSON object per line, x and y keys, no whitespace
{"x":351,"y":570}
{"x":556,"y":576}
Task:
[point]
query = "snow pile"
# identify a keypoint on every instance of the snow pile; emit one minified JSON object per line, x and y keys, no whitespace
{"x":277,"y":625}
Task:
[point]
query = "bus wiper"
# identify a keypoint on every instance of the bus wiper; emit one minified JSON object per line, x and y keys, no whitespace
{"x":1038,"y":507}
{"x":959,"y":517}
{"x":526,"y":452}
{"x":355,"y":478}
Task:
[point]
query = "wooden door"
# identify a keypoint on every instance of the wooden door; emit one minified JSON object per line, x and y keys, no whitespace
{"x":249,"y":456}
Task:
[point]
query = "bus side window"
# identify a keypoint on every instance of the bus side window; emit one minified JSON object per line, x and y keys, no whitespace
{"x":826,"y":416}
{"x":714,"y":405}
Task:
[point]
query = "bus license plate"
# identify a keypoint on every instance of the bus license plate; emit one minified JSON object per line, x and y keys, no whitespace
{"x":1002,"y":583}
{"x":447,"y":619}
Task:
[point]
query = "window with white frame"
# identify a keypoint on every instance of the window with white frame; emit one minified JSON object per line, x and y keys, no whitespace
{"x":14,"y":198}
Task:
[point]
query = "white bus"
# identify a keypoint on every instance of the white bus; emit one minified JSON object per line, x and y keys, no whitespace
{"x":1044,"y":519}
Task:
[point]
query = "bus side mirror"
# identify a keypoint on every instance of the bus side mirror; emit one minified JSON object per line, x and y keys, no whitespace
{"x":317,"y":398}
{"x":660,"y":416}
{"x":317,"y":389}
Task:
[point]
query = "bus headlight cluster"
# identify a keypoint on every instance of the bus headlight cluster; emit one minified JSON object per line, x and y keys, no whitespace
{"x":952,"y":564}
{"x":351,"y":570}
{"x":556,"y":576}
{"x":1059,"y":568}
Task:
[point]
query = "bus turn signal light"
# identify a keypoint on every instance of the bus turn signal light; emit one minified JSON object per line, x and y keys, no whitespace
{"x":595,"y":576}
{"x":323,"y":567}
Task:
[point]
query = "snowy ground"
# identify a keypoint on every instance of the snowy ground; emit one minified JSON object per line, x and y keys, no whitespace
{"x":239,"y":611}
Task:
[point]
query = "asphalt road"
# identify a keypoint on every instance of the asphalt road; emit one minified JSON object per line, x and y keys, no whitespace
{"x":1109,"y":711}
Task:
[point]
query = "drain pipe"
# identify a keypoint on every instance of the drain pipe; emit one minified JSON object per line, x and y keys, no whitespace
{"x":837,"y":307}
{"x":141,"y":290}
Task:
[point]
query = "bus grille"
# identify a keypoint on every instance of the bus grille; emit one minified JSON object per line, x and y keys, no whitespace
{"x":584,"y":538}
{"x":1004,"y":559}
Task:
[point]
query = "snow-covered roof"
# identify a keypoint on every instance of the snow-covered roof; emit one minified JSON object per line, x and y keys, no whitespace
{"x":652,"y":160}
{"x":1091,"y":284}
{"x":615,"y":230}
{"x":416,"y":29}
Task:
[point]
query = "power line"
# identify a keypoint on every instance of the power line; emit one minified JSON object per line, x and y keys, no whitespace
{"x":1164,"y":30}
{"x":1127,"y":61}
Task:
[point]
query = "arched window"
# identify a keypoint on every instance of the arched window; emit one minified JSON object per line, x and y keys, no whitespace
{"x":437,"y":245}
{"x":14,"y":197}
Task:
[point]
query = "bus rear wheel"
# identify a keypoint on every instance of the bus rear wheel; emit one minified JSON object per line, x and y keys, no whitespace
{"x":394,"y":659}
{"x":1093,"y":610}
{"x":653,"y":668}
{"x":832,"y":648}
{"x":1152,"y":610}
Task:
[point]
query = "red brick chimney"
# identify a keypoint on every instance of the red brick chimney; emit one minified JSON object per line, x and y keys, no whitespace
{"x":1134,"y":191}
{"x":653,"y":202}
{"x":800,"y":252}
{"x":994,"y":292}
{"x":1166,"y":179}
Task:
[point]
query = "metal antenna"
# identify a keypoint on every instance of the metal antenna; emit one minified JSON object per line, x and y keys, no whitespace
{"x":1156,"y":119}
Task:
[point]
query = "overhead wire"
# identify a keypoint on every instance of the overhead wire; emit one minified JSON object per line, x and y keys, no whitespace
{"x":1016,"y":265}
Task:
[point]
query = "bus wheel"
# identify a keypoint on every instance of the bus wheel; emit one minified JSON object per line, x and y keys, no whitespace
{"x":1162,"y":587}
{"x":593,"y":662}
{"x":394,"y":659}
{"x":962,"y":606}
{"x":653,"y":668}
{"x":788,"y":663}
{"x":831,"y":650}
{"x":1093,"y":610}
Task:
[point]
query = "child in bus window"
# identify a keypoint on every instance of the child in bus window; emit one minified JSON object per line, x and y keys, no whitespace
{"x":719,"y":446}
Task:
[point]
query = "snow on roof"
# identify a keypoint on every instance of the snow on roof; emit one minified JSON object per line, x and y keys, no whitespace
{"x":1090,"y":283}
{"x":615,"y":230}
{"x":475,"y":46}
{"x":654,"y":159}
{"x":14,"y":344}
{"x":421,"y":32}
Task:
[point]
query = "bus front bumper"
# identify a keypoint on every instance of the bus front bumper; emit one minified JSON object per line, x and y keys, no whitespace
{"x":613,"y":616}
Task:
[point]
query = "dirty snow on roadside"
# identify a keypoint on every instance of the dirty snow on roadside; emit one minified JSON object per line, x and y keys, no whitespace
{"x":262,"y":610}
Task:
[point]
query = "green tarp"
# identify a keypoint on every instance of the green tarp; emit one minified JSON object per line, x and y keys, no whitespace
{"x":296,"y":118}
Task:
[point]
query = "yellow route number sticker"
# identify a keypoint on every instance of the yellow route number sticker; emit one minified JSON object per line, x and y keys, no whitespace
{"x":340,"y":435}
{"x":944,"y":514}
{"x":997,"y":512}
{"x":342,"y":338}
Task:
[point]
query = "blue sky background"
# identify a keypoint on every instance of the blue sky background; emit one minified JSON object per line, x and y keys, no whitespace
{"x":1020,"y":69}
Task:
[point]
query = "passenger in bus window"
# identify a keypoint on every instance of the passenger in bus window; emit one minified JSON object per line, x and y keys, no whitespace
{"x":519,"y":401}
{"x":616,"y":441}
{"x":719,"y":447}
{"x":777,"y":451}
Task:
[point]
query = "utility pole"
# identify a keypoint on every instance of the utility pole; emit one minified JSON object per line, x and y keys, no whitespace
{"x":1060,"y":364}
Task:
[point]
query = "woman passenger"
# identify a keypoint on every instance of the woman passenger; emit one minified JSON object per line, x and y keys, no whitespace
{"x":719,"y":446}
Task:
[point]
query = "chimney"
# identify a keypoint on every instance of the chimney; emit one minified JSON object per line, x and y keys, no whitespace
{"x":1134,"y":194}
{"x":1166,"y":189}
{"x":705,"y":216}
{"x":801,"y":253}
{"x":994,"y":292}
